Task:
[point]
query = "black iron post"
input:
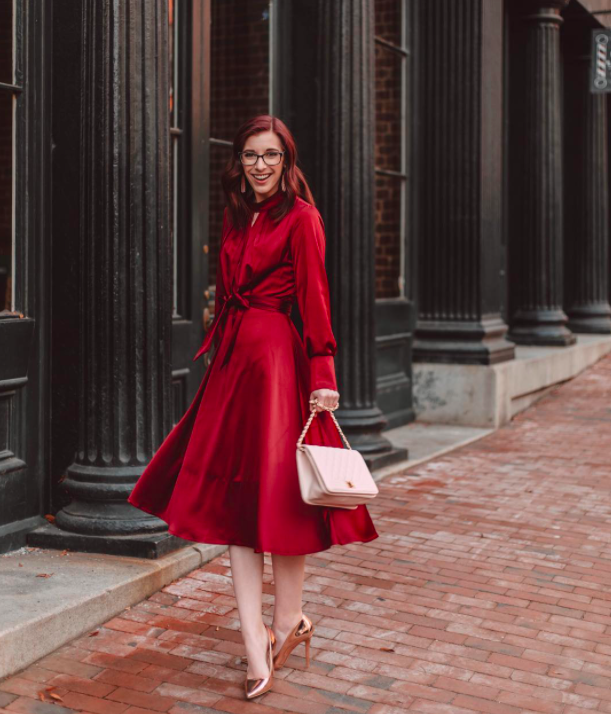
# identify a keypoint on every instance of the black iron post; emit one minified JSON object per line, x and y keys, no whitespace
{"x":345,"y":179}
{"x":536,"y":175}
{"x":586,"y":242}
{"x":459,"y":184}
{"x":125,"y":278}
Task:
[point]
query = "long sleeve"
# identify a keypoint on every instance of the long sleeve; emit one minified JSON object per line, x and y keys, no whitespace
{"x":308,"y":255}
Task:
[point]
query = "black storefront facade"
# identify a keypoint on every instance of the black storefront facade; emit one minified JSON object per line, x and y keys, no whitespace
{"x":455,"y":151}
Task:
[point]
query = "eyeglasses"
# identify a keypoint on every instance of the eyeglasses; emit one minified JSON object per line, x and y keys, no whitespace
{"x":250,"y":158}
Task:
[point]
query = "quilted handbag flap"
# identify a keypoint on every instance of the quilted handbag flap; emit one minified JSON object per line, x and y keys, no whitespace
{"x":342,"y":470}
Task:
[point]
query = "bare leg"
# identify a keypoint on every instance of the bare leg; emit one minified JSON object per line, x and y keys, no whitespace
{"x":247,"y":576}
{"x":288,"y":583}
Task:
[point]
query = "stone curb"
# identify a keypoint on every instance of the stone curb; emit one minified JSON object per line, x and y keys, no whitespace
{"x":31,"y":638}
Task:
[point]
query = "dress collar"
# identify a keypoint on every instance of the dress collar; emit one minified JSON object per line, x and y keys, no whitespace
{"x":267,"y":203}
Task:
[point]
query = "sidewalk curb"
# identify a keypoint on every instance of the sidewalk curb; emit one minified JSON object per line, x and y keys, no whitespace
{"x":25,"y":643}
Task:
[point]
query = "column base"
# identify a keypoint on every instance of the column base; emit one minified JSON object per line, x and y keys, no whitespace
{"x":541,"y":327}
{"x":594,"y":318}
{"x":469,"y":342}
{"x":142,"y":545}
{"x":387,"y":458}
{"x":99,"y":504}
{"x":362,"y":428}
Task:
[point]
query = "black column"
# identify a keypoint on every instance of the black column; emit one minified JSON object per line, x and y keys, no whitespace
{"x":586,"y":240}
{"x":536,"y":175}
{"x":125,"y":277}
{"x":459,"y":183}
{"x":345,"y":142}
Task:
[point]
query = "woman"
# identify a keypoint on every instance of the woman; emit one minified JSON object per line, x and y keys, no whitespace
{"x":227,"y":472}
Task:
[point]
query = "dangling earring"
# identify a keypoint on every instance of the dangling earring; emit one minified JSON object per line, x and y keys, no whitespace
{"x":283,"y":185}
{"x":243,"y":185}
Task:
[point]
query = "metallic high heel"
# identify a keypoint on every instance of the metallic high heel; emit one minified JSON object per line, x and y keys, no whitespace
{"x":302,"y":633}
{"x":255,"y":687}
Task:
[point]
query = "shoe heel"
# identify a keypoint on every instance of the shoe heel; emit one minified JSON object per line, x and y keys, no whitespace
{"x":294,"y":639}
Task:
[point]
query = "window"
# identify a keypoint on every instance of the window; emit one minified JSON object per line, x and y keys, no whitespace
{"x":390,"y":147}
{"x":10,"y":91}
{"x":240,"y":89}
{"x":179,"y":14}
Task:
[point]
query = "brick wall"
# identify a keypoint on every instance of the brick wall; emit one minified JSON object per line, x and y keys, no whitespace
{"x":387,"y":150}
{"x":6,"y":152}
{"x":239,"y":91}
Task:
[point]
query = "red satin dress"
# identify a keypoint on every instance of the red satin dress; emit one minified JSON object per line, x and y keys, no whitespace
{"x":227,"y":472}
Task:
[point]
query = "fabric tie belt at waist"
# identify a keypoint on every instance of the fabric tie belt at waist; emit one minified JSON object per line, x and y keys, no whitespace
{"x":236,"y":299}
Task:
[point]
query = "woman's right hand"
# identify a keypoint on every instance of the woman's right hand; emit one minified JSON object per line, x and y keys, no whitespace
{"x":327,"y":399}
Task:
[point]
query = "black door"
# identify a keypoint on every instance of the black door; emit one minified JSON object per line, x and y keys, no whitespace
{"x":188,"y":106}
{"x":24,"y":147}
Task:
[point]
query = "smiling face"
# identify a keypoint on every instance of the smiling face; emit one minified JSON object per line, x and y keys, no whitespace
{"x":264,"y":179}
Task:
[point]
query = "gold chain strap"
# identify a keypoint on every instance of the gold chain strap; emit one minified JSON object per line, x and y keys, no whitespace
{"x":313,"y":413}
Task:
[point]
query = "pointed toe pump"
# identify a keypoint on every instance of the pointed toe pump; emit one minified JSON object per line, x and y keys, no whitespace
{"x":255,"y":687}
{"x":301,"y":633}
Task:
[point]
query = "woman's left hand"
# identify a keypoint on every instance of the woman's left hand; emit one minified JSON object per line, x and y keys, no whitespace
{"x":327,"y":399}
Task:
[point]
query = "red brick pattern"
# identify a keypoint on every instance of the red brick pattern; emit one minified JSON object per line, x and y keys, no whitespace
{"x":488,"y":591}
{"x":389,"y":144}
{"x":388,"y":20}
{"x":387,"y":236}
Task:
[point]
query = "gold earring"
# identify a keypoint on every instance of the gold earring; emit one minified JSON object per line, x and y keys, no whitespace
{"x":283,"y":185}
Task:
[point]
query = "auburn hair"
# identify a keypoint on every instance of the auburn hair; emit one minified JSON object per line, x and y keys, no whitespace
{"x":239,"y":212}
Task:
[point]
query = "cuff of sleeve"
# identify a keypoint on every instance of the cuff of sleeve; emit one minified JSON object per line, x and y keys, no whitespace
{"x":322,"y":373}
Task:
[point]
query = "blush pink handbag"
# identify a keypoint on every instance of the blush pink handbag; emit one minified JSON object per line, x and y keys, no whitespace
{"x":331,"y":475}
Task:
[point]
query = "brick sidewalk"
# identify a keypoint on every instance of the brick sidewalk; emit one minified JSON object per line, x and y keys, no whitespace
{"x":489,"y":590}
